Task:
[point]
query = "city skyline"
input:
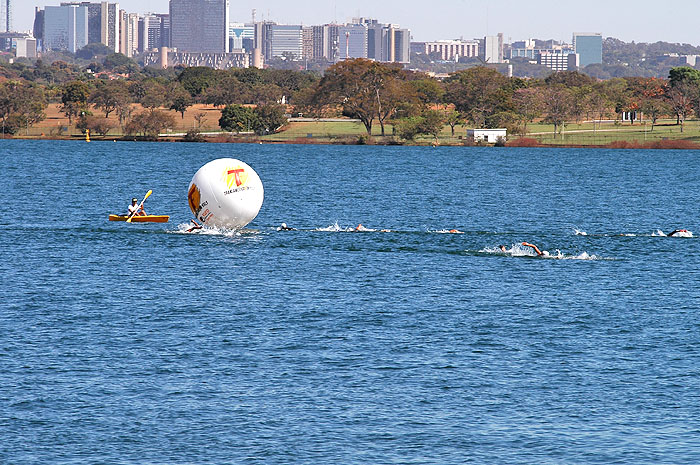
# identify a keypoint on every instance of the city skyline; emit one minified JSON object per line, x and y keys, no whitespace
{"x":451,"y":19}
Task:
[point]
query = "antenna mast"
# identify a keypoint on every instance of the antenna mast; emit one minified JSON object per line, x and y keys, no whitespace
{"x":8,"y":16}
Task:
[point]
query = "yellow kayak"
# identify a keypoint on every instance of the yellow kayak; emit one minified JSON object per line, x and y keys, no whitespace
{"x":141,"y":219}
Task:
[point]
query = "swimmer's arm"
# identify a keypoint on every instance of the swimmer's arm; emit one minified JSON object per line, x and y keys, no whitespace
{"x":534,"y":247}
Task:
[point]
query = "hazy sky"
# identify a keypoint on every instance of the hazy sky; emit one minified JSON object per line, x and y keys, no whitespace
{"x":640,"y":20}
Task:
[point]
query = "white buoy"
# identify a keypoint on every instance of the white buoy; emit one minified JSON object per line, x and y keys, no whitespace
{"x":225,"y":193}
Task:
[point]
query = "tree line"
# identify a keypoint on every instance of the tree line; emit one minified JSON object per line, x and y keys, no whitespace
{"x":406,"y":103}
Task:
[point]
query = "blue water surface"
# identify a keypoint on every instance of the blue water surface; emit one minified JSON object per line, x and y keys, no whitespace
{"x":142,"y":344}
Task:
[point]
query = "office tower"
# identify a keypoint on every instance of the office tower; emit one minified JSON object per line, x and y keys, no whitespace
{"x":103,"y":22}
{"x":325,"y":42}
{"x":283,"y":41}
{"x":385,"y":42}
{"x":589,"y":47}
{"x":200,"y":25}
{"x":128,"y":33}
{"x":352,"y":40}
{"x":26,"y":47}
{"x":241,"y":36}
{"x":8,"y":15}
{"x":400,"y":41}
{"x":448,"y":49}
{"x":38,"y":31}
{"x":307,"y":43}
{"x":65,"y":27}
{"x":493,"y":49}
{"x":154,"y":32}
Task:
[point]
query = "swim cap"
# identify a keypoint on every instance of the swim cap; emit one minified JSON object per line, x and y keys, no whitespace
{"x":284,"y":225}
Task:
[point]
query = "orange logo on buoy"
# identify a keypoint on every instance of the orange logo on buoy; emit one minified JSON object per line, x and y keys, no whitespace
{"x":236,"y":177}
{"x":194,"y":198}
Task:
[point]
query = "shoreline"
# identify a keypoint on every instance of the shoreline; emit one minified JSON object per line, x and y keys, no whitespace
{"x":521,"y":142}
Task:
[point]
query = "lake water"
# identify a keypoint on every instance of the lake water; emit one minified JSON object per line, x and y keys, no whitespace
{"x":142,"y":344}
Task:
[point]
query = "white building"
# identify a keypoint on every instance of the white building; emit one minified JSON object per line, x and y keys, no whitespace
{"x":450,"y":49}
{"x":128,"y":33}
{"x":493,"y":49}
{"x":26,"y":47}
{"x":487,"y":135}
{"x":558,"y":60}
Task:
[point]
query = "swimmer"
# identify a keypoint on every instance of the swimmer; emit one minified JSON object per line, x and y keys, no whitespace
{"x":360,"y":227}
{"x":503,"y":248}
{"x":455,"y":231}
{"x":284,"y":227}
{"x":676,"y":231}
{"x":196,"y":226}
{"x":537,"y":251}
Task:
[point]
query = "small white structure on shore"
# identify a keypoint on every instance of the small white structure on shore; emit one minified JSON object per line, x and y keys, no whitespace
{"x":490,"y":136}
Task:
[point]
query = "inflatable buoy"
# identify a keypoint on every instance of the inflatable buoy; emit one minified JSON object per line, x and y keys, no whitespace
{"x":225,"y":193}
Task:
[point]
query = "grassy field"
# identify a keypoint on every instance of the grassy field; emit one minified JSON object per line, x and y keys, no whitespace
{"x":350,"y":132}
{"x":56,"y":123}
{"x":607,"y":133}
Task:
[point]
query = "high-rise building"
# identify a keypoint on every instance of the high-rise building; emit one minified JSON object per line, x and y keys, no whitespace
{"x":448,"y":49}
{"x":493,"y":49}
{"x":200,"y":25}
{"x":128,"y":33}
{"x":307,"y":43}
{"x":385,"y":42}
{"x":589,"y":47}
{"x":38,"y":31}
{"x":154,"y":32}
{"x":26,"y":47}
{"x":325,"y":42}
{"x":65,"y":27}
{"x":103,"y":22}
{"x":352,"y":40}
{"x":241,"y":36}
{"x":283,"y":41}
{"x":401,"y":45}
{"x":559,"y":60}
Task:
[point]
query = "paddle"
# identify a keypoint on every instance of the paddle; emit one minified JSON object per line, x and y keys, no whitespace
{"x":131,"y":217}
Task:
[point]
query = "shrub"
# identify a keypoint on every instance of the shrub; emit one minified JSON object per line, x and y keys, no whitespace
{"x":523,"y":142}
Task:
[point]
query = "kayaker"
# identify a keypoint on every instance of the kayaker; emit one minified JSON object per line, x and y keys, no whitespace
{"x":135,"y":209}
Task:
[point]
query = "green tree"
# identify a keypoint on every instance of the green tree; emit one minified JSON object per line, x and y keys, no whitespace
{"x":149,"y":124}
{"x":365,"y":90}
{"x":197,"y":79}
{"x":433,"y":122}
{"x":528,"y":105}
{"x":116,"y":60}
{"x":93,"y":50}
{"x":430,"y":122}
{"x":180,"y":99}
{"x":238,"y":118}
{"x":96,"y":125}
{"x":21,"y":105}
{"x":479,"y":92}
{"x":558,"y":101}
{"x":154,"y":95}
{"x":269,"y":118}
{"x":74,"y":98}
{"x":106,"y":96}
{"x":453,"y":118}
